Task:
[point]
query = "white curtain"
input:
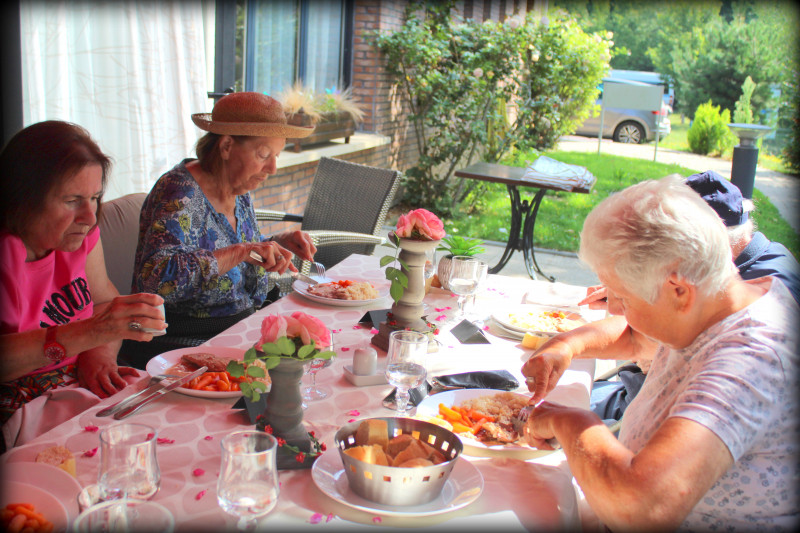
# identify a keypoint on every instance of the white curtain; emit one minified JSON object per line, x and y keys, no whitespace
{"x":130,"y":72}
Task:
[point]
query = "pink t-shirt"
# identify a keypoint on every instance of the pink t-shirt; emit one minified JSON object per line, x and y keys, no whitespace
{"x":48,"y":292}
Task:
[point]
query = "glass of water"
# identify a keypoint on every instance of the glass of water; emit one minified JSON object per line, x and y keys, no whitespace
{"x":464,"y":278}
{"x":128,"y":462}
{"x":405,"y":364}
{"x":248,"y":480}
{"x":312,"y":393}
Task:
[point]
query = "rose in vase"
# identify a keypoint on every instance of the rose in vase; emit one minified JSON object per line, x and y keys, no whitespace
{"x":419,"y":225}
{"x":298,"y":336}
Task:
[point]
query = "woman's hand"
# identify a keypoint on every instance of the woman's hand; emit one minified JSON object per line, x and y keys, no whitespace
{"x":539,"y":428}
{"x":596,"y":298}
{"x":299,"y":242}
{"x":112,"y":321}
{"x":98,"y":372}
{"x":275,"y":258}
{"x":545,"y":367}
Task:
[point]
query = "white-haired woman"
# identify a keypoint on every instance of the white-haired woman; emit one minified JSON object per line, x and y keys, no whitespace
{"x":710,"y":442}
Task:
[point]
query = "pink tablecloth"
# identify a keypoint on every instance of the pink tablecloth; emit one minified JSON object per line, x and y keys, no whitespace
{"x":518,"y":495}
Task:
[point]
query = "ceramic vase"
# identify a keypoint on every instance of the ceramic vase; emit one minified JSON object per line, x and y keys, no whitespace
{"x":407,"y":312}
{"x":284,"y":412}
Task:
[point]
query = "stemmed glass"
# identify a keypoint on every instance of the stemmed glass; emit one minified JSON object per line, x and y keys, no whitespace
{"x":312,"y":393}
{"x":248,"y":480}
{"x":405,"y":364}
{"x":483,"y":273}
{"x":464,"y":277}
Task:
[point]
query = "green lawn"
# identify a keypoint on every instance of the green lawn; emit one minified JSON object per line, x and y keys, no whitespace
{"x":561,"y":214}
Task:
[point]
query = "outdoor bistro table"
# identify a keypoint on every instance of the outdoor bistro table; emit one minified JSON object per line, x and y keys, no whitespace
{"x":519,"y":494}
{"x":523,"y":212}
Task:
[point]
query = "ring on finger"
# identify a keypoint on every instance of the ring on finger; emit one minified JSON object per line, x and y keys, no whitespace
{"x":530,"y":379}
{"x":135,"y":326}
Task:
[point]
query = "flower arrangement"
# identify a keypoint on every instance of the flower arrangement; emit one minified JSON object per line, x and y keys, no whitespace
{"x":299,"y":336}
{"x":419,"y":225}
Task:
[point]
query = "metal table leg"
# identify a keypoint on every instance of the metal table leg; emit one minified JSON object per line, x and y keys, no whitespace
{"x":527,"y":238}
{"x":517,"y":208}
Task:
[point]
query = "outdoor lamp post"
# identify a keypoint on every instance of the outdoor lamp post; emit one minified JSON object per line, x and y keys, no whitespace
{"x":745,"y":156}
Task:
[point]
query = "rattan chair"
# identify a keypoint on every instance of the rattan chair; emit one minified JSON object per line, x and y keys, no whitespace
{"x":345,"y":211}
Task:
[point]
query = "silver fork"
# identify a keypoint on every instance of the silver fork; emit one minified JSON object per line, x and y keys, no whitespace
{"x":317,"y":269}
{"x":521,"y":419}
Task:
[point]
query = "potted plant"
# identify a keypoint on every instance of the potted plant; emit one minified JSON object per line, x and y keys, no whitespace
{"x":455,"y":245}
{"x":334,"y":113}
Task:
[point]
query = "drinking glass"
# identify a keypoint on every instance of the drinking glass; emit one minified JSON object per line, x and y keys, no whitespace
{"x":311,"y":392}
{"x":464,"y":277}
{"x":248,"y":480}
{"x":124,"y":516}
{"x":128,"y":462}
{"x":405,"y":364}
{"x":483,"y":273}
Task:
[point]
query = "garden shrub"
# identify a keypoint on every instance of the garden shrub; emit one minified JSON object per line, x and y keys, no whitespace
{"x":709,"y":132}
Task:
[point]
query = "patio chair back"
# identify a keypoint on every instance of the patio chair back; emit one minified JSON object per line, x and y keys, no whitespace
{"x":349,"y":197}
{"x":119,"y":232}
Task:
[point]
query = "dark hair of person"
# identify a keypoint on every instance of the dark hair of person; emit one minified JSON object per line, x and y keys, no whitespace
{"x":38,"y":159}
{"x":207,"y":153}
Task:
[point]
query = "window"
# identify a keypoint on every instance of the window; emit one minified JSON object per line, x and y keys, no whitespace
{"x":280,"y":42}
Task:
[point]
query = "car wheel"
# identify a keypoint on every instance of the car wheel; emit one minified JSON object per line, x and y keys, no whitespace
{"x":629,"y":133}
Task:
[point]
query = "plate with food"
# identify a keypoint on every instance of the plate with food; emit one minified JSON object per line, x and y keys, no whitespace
{"x":342,"y":293}
{"x":22,"y":502}
{"x":539,"y":319}
{"x":481,"y":418}
{"x":215,"y":383}
{"x":59,"y":484}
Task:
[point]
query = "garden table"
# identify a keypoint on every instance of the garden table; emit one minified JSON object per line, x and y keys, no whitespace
{"x":523,"y":212}
{"x":520,"y":494}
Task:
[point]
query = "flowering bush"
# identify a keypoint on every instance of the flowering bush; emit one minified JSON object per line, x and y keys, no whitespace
{"x":420,"y":225}
{"x":299,"y":336}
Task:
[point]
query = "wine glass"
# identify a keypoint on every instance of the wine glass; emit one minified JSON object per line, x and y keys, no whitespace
{"x":464,"y":277}
{"x":248,"y":480}
{"x":312,"y":393}
{"x":128,"y":462}
{"x":483,"y":273}
{"x":405,"y":364}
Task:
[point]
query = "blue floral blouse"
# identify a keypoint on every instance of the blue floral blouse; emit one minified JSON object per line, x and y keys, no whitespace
{"x":179,"y":230}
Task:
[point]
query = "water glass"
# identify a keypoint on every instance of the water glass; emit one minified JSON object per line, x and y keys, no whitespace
{"x":312,"y":393}
{"x":483,"y":274}
{"x":124,"y":516}
{"x":405,"y":364}
{"x":464,"y":278}
{"x":248,"y":480}
{"x":128,"y":462}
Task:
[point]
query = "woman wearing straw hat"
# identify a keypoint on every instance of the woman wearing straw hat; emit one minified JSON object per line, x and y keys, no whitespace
{"x":198,"y":226}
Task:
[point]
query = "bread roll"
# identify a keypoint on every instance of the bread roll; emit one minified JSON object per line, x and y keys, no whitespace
{"x":372,"y":454}
{"x":398,"y":444}
{"x":58,"y":456}
{"x":415,"y":463}
{"x":373,"y":432}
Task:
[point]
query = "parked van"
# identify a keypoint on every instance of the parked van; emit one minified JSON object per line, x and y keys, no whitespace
{"x":630,"y":126}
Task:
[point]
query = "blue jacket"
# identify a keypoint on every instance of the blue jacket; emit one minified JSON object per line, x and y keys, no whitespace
{"x":761,"y":257}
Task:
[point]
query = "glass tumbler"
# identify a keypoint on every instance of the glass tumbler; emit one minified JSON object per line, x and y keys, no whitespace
{"x":128,"y":462}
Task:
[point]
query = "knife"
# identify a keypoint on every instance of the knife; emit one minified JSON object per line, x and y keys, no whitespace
{"x":159,"y":392}
{"x":520,"y":420}
{"x":155,"y":383}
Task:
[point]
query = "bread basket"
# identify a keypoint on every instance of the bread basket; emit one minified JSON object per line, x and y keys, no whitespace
{"x":400,"y":486}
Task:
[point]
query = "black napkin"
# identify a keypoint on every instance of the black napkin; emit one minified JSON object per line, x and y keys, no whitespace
{"x":253,"y":408}
{"x":374,"y":317}
{"x":484,"y":379}
{"x":468,"y":333}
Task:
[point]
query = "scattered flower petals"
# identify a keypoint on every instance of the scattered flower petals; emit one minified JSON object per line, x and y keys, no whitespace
{"x":330,"y":517}
{"x":165,"y":441}
{"x":440,"y":318}
{"x":345,"y":349}
{"x":376,"y":520}
{"x":200,"y":495}
{"x":373,"y":331}
{"x":316,"y":518}
{"x":337,"y":330}
{"x":354,"y":412}
{"x":208,"y":437}
{"x":351,"y":420}
{"x":485,"y":328}
{"x":91,"y":429}
{"x":440,"y":309}
{"x":356,"y":326}
{"x":90,"y":453}
{"x":149,"y":436}
{"x":198,"y":472}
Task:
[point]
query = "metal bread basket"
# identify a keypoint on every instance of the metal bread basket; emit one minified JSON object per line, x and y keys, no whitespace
{"x":400,"y":486}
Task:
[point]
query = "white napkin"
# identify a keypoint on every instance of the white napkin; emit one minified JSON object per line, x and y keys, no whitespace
{"x":558,"y":174}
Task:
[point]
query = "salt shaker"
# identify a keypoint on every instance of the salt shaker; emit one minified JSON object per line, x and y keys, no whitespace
{"x":365,"y":361}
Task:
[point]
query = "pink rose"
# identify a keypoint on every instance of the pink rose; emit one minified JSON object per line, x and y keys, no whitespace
{"x":272,"y":328}
{"x":308,"y":328}
{"x":425,"y":224}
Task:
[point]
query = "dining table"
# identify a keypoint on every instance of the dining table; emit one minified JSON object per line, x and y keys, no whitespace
{"x":516,"y":488}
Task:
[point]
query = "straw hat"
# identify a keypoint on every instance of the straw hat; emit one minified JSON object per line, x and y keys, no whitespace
{"x":249,"y":113}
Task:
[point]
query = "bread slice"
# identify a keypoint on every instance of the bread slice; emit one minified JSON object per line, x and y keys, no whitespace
{"x":373,"y":432}
{"x":398,"y":444}
{"x":414,"y":450}
{"x":372,"y":454}
{"x":58,"y":456}
{"x":417,"y":462}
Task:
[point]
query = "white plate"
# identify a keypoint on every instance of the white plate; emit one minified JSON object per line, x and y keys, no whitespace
{"x":504,"y":317}
{"x":430,"y":407}
{"x":463,"y":487}
{"x":43,"y":502}
{"x":301,"y":287}
{"x":61,"y":485}
{"x":160,"y":363}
